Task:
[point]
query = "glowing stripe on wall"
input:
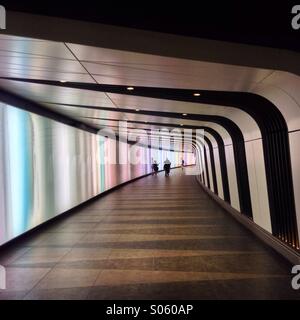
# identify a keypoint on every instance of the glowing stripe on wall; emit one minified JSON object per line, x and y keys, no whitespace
{"x":102,"y":165}
{"x":20,"y":173}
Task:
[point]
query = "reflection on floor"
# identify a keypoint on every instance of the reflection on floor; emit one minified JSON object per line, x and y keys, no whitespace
{"x":156,"y":238}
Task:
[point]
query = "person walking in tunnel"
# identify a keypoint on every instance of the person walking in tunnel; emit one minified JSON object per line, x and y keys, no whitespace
{"x":154,"y":167}
{"x":182,"y":164}
{"x":167,"y":167}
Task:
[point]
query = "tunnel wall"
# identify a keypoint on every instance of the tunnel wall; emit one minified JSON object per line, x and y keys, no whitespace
{"x":272,"y":155}
{"x":47,"y":168}
{"x":256,"y":174}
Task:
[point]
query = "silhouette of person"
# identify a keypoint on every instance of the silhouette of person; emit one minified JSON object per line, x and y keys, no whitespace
{"x":155,"y":167}
{"x":167,"y":167}
{"x":182,"y":164}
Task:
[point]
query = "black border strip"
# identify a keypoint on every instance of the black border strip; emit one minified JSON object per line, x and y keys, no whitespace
{"x":213,"y":166}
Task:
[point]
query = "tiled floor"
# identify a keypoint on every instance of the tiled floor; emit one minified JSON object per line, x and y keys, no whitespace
{"x":156,"y":238}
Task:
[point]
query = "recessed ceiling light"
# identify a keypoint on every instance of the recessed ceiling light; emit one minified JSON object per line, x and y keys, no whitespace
{"x":197,"y":94}
{"x":137,"y":109}
{"x":184,"y":114}
{"x":130,"y":88}
{"x":63,"y":81}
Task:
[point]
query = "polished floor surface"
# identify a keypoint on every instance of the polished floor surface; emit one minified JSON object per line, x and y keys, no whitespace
{"x":156,"y":238}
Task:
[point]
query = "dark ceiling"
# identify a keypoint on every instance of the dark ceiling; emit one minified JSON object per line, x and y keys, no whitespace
{"x":265,"y":23}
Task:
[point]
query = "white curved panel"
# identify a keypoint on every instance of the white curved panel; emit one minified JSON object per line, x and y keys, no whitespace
{"x":199,"y":162}
{"x":211,"y":139}
{"x":258,"y":184}
{"x":218,"y":173}
{"x":286,"y":81}
{"x":285,"y":94}
{"x":287,"y":105}
{"x":233,"y":188}
{"x":217,"y":164}
{"x":244,"y":121}
{"x":295,"y":159}
{"x":202,"y":160}
{"x":221,"y":130}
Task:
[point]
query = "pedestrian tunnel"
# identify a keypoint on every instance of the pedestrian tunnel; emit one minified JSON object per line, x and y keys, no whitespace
{"x":80,"y":117}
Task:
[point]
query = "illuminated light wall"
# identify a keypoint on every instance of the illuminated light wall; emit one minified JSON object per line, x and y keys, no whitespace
{"x":47,"y":168}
